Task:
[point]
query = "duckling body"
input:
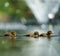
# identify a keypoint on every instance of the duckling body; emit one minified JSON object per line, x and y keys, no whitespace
{"x":43,"y":35}
{"x":29,"y":35}
{"x":11,"y":36}
{"x":7,"y":34}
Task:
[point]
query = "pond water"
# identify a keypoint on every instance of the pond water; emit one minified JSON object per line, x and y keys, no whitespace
{"x":30,"y":47}
{"x":25,"y":46}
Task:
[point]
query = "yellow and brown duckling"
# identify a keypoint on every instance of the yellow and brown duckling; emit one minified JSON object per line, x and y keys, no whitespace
{"x":36,"y":34}
{"x":49,"y":34}
{"x":11,"y":35}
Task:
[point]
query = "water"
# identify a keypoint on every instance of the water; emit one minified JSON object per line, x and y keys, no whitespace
{"x":25,"y":46}
{"x":30,"y":47}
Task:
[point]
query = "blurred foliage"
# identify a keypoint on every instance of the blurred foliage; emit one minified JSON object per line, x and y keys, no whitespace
{"x":15,"y":8}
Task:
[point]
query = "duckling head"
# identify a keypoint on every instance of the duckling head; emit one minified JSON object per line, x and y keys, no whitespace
{"x":49,"y":32}
{"x":36,"y":34}
{"x":14,"y":34}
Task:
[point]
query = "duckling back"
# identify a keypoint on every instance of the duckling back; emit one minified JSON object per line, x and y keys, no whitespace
{"x":43,"y":35}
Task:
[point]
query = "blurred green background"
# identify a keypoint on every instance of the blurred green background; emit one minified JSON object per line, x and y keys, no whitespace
{"x":14,"y":10}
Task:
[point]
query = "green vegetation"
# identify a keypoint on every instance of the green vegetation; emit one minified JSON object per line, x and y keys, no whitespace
{"x":14,"y":7}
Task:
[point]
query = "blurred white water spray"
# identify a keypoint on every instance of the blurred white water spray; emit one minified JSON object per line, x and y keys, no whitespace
{"x":41,"y":9}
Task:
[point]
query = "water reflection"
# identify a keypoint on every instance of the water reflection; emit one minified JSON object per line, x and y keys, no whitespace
{"x":30,"y":47}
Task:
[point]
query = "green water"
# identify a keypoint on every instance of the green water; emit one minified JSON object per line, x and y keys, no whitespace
{"x":6,"y":47}
{"x":29,"y":47}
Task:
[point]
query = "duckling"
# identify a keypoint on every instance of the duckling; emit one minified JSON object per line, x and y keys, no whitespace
{"x":10,"y":35}
{"x":13,"y":35}
{"x":49,"y":34}
{"x":36,"y":34}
